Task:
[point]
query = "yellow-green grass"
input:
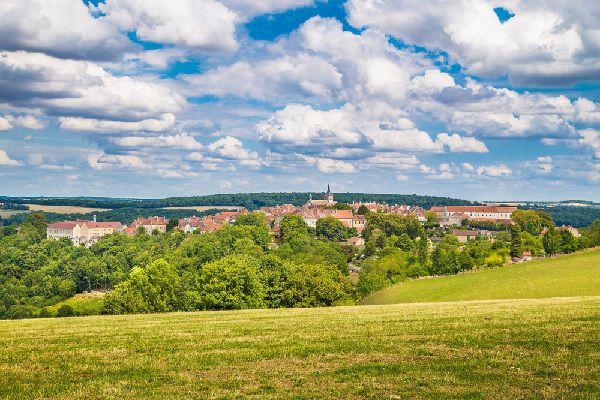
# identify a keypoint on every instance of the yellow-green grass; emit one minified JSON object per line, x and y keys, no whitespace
{"x":203,"y":208}
{"x":10,"y":213}
{"x":570,"y":275}
{"x":65,"y":209}
{"x":505,"y":349}
{"x":82,"y":304}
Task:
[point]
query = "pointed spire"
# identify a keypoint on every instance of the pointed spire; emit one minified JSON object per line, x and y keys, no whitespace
{"x":328,"y":189}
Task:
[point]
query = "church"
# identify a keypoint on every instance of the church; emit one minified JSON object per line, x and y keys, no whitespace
{"x":326,"y":202}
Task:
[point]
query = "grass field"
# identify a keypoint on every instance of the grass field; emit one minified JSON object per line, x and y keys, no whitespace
{"x":64,"y":209}
{"x":10,"y":213}
{"x":571,"y":275}
{"x":507,"y":349}
{"x":204,"y":208}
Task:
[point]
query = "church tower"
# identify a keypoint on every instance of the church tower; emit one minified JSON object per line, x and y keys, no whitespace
{"x":329,"y":195}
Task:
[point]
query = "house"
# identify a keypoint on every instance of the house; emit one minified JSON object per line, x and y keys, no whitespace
{"x":151,"y":224}
{"x":454,"y":215}
{"x":356,"y":241}
{"x":344,"y":216}
{"x":464,"y":235}
{"x":81,"y":231}
{"x":359,"y":222}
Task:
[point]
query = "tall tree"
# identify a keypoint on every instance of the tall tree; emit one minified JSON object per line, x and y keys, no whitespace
{"x":516,"y":244}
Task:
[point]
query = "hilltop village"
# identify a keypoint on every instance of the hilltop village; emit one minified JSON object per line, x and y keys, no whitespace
{"x":352,"y":216}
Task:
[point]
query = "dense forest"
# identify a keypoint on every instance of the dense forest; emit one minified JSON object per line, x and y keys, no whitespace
{"x":251,"y":201}
{"x":574,"y":216}
{"x":241,"y":266}
{"x":125,"y":215}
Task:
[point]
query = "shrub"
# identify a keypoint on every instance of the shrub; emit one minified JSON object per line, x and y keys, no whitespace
{"x":65,"y":311}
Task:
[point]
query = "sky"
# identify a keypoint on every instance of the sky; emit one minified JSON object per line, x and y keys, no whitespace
{"x":475,"y":99}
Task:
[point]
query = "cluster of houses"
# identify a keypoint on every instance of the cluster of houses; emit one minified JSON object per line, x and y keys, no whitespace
{"x":88,"y":232}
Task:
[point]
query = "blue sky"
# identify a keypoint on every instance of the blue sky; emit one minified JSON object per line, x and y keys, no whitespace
{"x":478,"y":99}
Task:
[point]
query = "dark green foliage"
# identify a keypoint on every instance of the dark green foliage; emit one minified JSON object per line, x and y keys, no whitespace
{"x":252,"y":219}
{"x":444,"y":260}
{"x":393,"y":224}
{"x":552,"y":241}
{"x":362,"y":210}
{"x":232,"y":282}
{"x":332,"y":229}
{"x":251,"y":201}
{"x":292,"y":226}
{"x":64,"y":311}
{"x":516,"y":246}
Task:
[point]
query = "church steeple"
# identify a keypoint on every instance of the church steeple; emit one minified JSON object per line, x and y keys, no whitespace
{"x":329,"y":195}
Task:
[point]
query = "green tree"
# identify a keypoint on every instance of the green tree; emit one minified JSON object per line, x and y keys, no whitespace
{"x":292,"y":226}
{"x":341,"y":206}
{"x":567,"y":244}
{"x":423,"y":251}
{"x":155,"y":288}
{"x":317,"y":285}
{"x":516,"y":247}
{"x":252,"y":219}
{"x":551,"y":241}
{"x":331,"y":228}
{"x":232,"y":282}
{"x":172,"y":224}
{"x":528,"y":220}
{"x":362,"y":210}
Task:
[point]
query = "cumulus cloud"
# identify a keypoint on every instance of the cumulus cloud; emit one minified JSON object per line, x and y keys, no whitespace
{"x":25,"y":121}
{"x":61,"y":28}
{"x":5,"y":160}
{"x":591,"y":139}
{"x":309,"y":65}
{"x":546,"y":42}
{"x":231,"y":148}
{"x":95,"y":125}
{"x":374,"y":126}
{"x":329,"y":166}
{"x":180,"y":141}
{"x":494,"y":170}
{"x":246,"y":9}
{"x":81,"y":89}
{"x":204,"y":25}
{"x":4,"y":124}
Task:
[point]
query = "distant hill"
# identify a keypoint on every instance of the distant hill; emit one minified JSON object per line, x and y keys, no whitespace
{"x":251,"y":201}
{"x":569,"y":275}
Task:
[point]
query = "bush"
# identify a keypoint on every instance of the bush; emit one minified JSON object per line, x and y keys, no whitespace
{"x":65,"y":311}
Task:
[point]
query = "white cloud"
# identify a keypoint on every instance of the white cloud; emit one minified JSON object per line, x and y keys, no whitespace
{"x":5,"y":160}
{"x":26,"y":121}
{"x":232,"y":149}
{"x":4,"y":124}
{"x":546,"y":42}
{"x":95,"y":125}
{"x":204,"y":25}
{"x":182,"y":141}
{"x":62,"y":28}
{"x":460,"y":144}
{"x":247,"y":9}
{"x":372,"y":125}
{"x":494,"y":170}
{"x":80,"y":88}
{"x":329,"y":166}
{"x":591,"y":139}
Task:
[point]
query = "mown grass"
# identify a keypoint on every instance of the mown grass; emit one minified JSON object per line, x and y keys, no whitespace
{"x":510,"y":349}
{"x":65,"y":209}
{"x":570,"y":275}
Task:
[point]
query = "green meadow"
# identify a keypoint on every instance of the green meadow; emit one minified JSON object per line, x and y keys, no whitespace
{"x":570,"y":275}
{"x":505,"y":349}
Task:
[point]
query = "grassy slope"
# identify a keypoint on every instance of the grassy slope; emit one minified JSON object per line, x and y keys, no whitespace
{"x":537,"y":349}
{"x":572,"y":275}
